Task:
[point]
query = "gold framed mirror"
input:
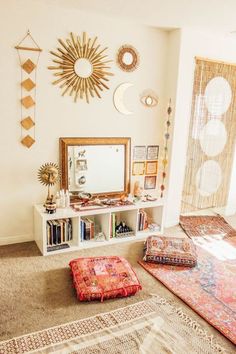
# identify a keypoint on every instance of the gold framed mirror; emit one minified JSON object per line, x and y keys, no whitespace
{"x":99,"y":166}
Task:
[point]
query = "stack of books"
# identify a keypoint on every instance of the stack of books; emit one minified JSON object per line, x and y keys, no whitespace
{"x":86,"y":229}
{"x":142,"y":220}
{"x":59,"y":232}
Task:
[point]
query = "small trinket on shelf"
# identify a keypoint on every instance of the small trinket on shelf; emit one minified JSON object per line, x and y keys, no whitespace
{"x":58,"y":200}
{"x":67,"y":199}
{"x":50,"y":205}
{"x":137,"y":190}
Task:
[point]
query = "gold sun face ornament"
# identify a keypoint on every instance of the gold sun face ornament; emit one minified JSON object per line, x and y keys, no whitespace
{"x":82,"y":67}
{"x":48,"y":175}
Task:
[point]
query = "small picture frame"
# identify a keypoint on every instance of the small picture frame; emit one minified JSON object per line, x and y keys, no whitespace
{"x":139,"y":152}
{"x":150,"y":182}
{"x":152,"y":152}
{"x":151,"y":167}
{"x":138,"y":168}
{"x":81,"y":165}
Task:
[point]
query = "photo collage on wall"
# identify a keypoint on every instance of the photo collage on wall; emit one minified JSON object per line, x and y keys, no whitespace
{"x":145,"y":163}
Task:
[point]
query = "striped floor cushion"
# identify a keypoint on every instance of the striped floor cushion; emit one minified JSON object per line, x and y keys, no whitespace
{"x":100,"y":278}
{"x":170,"y":250}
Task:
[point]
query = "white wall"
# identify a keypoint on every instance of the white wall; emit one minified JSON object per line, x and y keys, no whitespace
{"x":59,"y":116}
{"x":173,"y":64}
{"x":193,"y":44}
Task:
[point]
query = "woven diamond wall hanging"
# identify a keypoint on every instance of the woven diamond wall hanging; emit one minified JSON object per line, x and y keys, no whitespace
{"x":28,"y":53}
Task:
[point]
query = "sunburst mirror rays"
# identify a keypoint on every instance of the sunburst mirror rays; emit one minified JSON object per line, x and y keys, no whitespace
{"x":82,"y":67}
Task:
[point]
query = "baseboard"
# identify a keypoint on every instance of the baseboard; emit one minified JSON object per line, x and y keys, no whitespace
{"x":230,"y":210}
{"x":171,"y":223}
{"x":8,"y":240}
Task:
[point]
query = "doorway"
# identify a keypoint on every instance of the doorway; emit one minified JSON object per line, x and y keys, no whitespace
{"x":211,"y":137}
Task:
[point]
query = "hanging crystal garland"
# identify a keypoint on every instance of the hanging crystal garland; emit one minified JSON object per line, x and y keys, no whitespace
{"x":165,"y":155}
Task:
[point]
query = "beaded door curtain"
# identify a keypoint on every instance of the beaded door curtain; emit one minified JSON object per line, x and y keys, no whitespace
{"x":211,"y":136}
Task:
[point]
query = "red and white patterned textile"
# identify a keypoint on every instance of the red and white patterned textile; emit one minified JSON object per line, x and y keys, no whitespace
{"x":170,"y":250}
{"x":209,"y":288}
{"x":100,"y":278}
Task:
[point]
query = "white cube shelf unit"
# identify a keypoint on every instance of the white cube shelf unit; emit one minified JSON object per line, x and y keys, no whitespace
{"x":102,"y":220}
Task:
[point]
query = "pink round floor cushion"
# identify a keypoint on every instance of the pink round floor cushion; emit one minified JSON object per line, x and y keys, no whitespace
{"x":100,"y":278}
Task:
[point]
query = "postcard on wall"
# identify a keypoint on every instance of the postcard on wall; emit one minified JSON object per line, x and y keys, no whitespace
{"x":139,"y":152}
{"x":81,"y":165}
{"x":138,"y":168}
{"x":150,"y":182}
{"x":151,"y":167}
{"x":152,"y":152}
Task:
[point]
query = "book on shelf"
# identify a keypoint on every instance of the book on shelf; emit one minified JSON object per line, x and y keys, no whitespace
{"x":86,"y":229}
{"x":57,"y":247}
{"x":142,"y":220}
{"x":59,"y":231}
{"x":113,"y":225}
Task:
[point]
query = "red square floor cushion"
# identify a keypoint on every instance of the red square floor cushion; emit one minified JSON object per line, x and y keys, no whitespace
{"x":100,"y":278}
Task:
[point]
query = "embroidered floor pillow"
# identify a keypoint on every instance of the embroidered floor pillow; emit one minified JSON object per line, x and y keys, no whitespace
{"x":170,"y":250}
{"x":100,"y":278}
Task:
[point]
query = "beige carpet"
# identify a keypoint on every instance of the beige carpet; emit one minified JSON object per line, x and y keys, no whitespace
{"x":37,"y":292}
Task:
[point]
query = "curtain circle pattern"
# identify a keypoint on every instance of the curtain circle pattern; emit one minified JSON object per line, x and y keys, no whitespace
{"x":213,"y":137}
{"x":208,"y":178}
{"x":218,"y":95}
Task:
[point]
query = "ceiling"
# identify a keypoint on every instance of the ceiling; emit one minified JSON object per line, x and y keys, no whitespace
{"x":211,"y":15}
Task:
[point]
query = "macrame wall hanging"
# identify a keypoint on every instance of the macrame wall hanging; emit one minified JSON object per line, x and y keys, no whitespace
{"x":165,"y":154}
{"x":28,"y":53}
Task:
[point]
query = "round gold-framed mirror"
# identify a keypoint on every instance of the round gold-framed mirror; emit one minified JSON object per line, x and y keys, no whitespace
{"x":82,"y":67}
{"x":127,"y":58}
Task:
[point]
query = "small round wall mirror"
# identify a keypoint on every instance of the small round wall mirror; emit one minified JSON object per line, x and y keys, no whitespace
{"x":83,"y":68}
{"x":127,"y":58}
{"x":149,"y":98}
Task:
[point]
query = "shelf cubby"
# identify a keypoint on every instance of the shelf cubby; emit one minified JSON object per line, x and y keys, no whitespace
{"x":102,"y":222}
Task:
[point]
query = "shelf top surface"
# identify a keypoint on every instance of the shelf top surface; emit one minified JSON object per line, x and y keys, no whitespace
{"x":70,"y":212}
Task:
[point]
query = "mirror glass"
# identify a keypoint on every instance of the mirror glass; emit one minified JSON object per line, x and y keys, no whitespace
{"x":83,"y":67}
{"x":99,"y":166}
{"x":127,"y":58}
{"x":149,"y":101}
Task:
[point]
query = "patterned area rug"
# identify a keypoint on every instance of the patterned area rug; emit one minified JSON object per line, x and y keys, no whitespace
{"x":147,"y":327}
{"x":210,"y":287}
{"x":196,"y":226}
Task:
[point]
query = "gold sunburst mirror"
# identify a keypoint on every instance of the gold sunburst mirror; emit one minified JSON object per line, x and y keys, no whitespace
{"x":82,"y":67}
